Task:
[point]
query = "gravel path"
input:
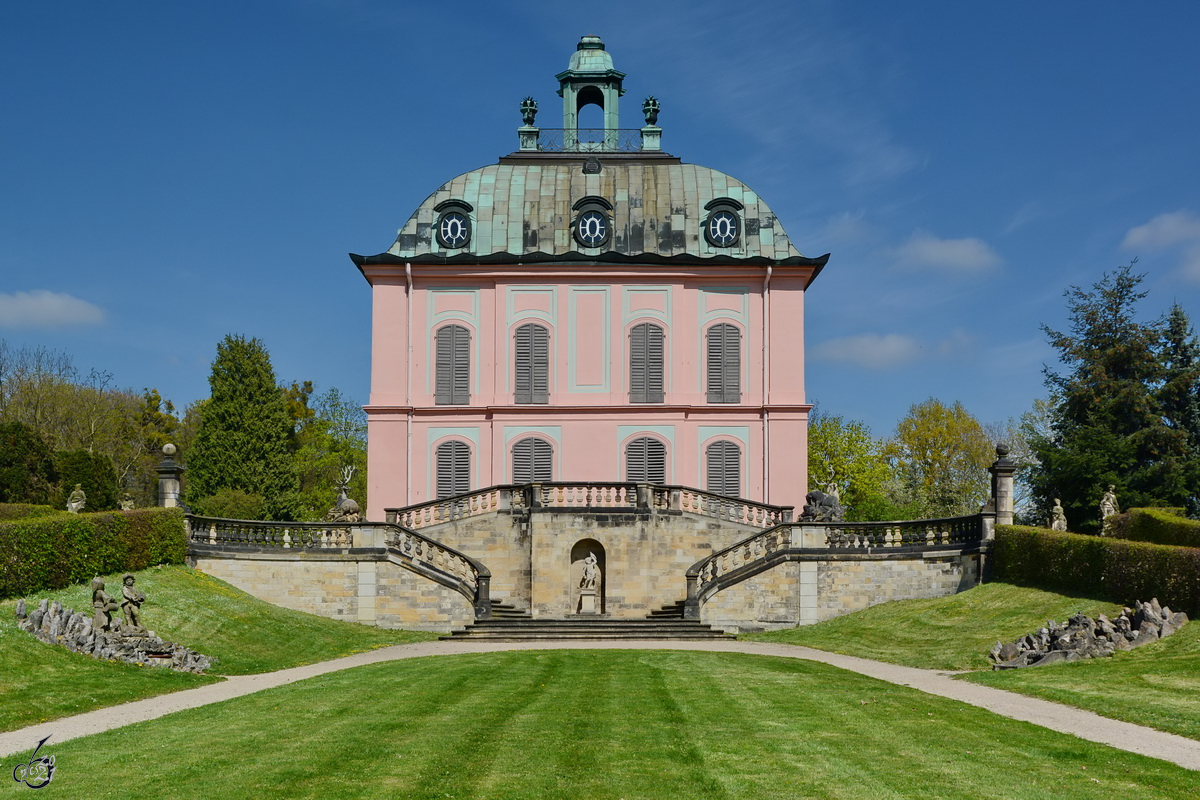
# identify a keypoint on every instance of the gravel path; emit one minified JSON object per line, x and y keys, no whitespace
{"x":1064,"y":719}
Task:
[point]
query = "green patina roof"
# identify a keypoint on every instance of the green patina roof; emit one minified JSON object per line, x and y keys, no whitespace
{"x":658,"y":208}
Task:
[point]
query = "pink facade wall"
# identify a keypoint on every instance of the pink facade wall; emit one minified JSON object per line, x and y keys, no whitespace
{"x":589,"y":311}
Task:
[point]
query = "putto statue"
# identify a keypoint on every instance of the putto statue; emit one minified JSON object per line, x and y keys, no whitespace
{"x":131,"y":603}
{"x":822,"y":507}
{"x":127,"y":503}
{"x":1058,"y":517}
{"x":77,"y":500}
{"x":591,"y":572}
{"x":103,"y":605}
{"x":1108,"y":509}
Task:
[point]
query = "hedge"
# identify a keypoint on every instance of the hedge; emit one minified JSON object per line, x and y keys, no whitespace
{"x":1116,"y":569}
{"x":1158,"y":525}
{"x":12,"y":511}
{"x":51,"y":553}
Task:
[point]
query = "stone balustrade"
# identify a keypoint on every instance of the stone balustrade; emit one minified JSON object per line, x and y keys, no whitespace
{"x":795,"y":541}
{"x":254,"y":533}
{"x":421,"y":554}
{"x":586,"y":496}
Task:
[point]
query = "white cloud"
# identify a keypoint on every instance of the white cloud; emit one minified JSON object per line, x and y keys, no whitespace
{"x":925,"y":251}
{"x":1191,"y":262}
{"x":1163,"y":231}
{"x":869,"y":350}
{"x":45,"y":309}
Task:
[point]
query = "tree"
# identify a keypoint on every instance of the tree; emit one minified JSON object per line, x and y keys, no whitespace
{"x":332,"y":437}
{"x":1179,"y":398}
{"x":93,"y":472}
{"x":242,"y":441}
{"x":941,"y":454}
{"x":28,"y":473}
{"x":43,"y":389}
{"x":845,"y":454}
{"x":1107,"y":424}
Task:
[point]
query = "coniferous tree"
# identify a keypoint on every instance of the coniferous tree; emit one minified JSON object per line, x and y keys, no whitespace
{"x":28,"y":473}
{"x":95,"y":474}
{"x":1180,"y":400}
{"x":242,"y":442}
{"x":1107,"y":422}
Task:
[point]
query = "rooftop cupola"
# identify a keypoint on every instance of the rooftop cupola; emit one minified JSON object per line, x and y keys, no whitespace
{"x":590,"y":80}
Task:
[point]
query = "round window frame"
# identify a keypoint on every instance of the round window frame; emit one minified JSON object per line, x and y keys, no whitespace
{"x":736,"y":236}
{"x":592,"y":204}
{"x":466,"y":224}
{"x":577,"y":228}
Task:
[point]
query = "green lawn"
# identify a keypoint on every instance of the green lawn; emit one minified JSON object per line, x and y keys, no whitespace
{"x":1157,"y":685}
{"x":599,"y":724}
{"x":39,"y":682}
{"x":951,"y":633}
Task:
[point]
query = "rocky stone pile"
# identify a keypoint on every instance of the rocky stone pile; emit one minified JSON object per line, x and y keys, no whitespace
{"x":1082,"y":637}
{"x":73,"y":630}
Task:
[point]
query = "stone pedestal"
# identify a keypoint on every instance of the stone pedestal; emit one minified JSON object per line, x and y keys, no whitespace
{"x":587,"y":602}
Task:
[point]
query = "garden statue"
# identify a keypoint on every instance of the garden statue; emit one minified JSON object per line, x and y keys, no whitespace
{"x":345,"y":509}
{"x":77,"y":500}
{"x":131,"y":603}
{"x":651,"y":108}
{"x":528,"y":111}
{"x":1058,"y":518}
{"x":1108,"y":509}
{"x":591,"y":572}
{"x":103,"y":605}
{"x":821,"y":507}
{"x":126,"y":501}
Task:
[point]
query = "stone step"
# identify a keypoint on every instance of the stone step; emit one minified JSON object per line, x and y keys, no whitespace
{"x":672,"y":611}
{"x":549,"y":629}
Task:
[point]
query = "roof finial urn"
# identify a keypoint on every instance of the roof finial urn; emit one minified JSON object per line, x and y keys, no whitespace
{"x":650,"y":108}
{"x":529,"y":109}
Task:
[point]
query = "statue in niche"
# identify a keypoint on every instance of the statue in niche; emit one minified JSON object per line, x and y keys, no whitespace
{"x":131,"y":603}
{"x":591,"y":572}
{"x":1108,"y":509}
{"x":1058,"y":517}
{"x":103,"y":605}
{"x":77,"y":500}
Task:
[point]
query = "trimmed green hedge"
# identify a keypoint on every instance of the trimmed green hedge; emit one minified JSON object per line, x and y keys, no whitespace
{"x":1116,"y":569}
{"x":12,"y":511}
{"x":1158,"y":525}
{"x":50,"y":553}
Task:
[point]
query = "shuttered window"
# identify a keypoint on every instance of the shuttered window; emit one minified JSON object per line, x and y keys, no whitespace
{"x":533,"y":461}
{"x":646,"y":364}
{"x":724,"y":364}
{"x":453,"y":469}
{"x":724,"y":468}
{"x":646,"y":461}
{"x":453,"y":366}
{"x":533,"y":364}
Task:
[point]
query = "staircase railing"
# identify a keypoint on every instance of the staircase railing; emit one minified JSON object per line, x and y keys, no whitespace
{"x":800,"y":541}
{"x":587,"y":496}
{"x":410,"y":548}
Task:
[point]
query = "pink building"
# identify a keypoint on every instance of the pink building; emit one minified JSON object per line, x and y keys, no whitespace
{"x":590,"y":308}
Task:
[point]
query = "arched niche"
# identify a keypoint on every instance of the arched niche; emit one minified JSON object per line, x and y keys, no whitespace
{"x":579,"y":554}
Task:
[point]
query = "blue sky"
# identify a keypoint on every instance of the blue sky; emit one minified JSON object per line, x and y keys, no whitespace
{"x":173,"y":172}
